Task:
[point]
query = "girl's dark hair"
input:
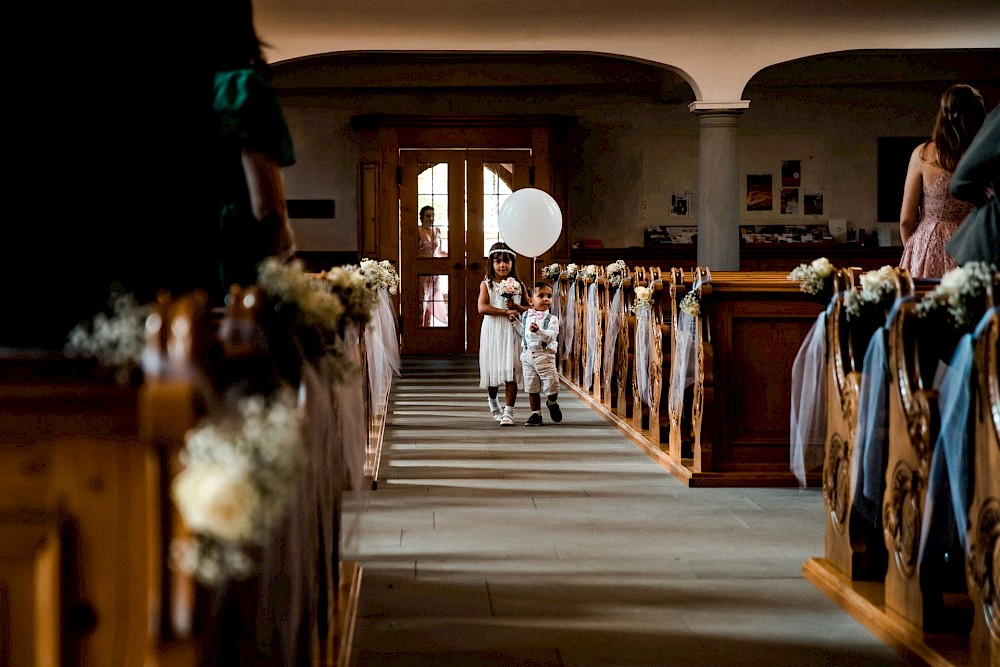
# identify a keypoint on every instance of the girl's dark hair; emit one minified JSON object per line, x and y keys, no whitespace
{"x":960,"y":115}
{"x":420,"y":216}
{"x":235,"y":44}
{"x":502,"y":249}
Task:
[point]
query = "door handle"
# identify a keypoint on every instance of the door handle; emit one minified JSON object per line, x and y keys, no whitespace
{"x":474,"y":266}
{"x":458,"y":266}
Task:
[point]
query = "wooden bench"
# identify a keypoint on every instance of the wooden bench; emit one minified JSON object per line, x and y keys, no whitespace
{"x":84,"y":565}
{"x":983,"y":568}
{"x":852,"y":545}
{"x":916,"y":348}
{"x":740,"y":410}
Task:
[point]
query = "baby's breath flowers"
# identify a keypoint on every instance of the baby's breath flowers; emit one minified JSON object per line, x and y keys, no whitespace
{"x":571,"y":271}
{"x":380,"y":275}
{"x":690,"y":304}
{"x":960,"y":295}
{"x":616,"y":272}
{"x":643,"y":298}
{"x":589,"y":273}
{"x":877,"y":291}
{"x":321,"y":306}
{"x":814,"y":278}
{"x":552,"y":271}
{"x":239,"y":475}
{"x":116,"y":340}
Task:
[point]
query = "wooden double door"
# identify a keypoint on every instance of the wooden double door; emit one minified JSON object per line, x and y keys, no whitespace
{"x":442,"y":263}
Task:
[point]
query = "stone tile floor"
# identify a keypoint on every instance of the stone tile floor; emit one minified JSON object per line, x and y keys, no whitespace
{"x":566,"y":545}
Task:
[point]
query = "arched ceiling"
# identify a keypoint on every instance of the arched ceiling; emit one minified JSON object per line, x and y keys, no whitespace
{"x":717,"y":46}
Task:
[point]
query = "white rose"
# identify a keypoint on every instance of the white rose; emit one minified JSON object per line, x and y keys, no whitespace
{"x":822,"y":267}
{"x":953,"y":280}
{"x":642,"y":293}
{"x":215,"y":500}
{"x":870,"y":280}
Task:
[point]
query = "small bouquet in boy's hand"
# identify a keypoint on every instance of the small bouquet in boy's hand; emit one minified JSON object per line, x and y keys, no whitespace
{"x":510,"y":288}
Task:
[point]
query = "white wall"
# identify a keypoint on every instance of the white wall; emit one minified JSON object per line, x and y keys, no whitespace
{"x":633,"y":153}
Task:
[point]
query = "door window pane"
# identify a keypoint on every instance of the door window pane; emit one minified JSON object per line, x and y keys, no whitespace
{"x":498,"y":177}
{"x":433,"y":300}
{"x":432,"y":190}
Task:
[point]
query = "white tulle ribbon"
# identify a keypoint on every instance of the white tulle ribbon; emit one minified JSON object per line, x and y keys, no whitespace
{"x":808,"y":409}
{"x":615,"y":313}
{"x":682,"y":364}
{"x":569,"y":328}
{"x":591,"y":333}
{"x":643,"y":352}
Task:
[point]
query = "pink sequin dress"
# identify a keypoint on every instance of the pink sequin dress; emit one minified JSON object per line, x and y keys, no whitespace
{"x":924,"y":254}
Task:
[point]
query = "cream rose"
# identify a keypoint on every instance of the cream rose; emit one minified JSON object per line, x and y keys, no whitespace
{"x":215,"y":500}
{"x":642,"y":293}
{"x":822,"y":267}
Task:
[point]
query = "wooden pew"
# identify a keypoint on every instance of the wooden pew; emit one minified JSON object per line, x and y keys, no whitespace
{"x":740,"y":408}
{"x":611,"y":373}
{"x":680,"y":436}
{"x":852,"y":545}
{"x":82,"y":515}
{"x":915,"y":349}
{"x":623,"y":397}
{"x":983,"y":568}
{"x":643,"y":277}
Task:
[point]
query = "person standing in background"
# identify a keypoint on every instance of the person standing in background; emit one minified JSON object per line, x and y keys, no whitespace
{"x":929,"y":214}
{"x":253,"y":146}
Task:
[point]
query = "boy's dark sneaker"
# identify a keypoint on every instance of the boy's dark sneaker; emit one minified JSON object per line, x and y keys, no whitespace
{"x":555,"y":412}
{"x":534,"y":420}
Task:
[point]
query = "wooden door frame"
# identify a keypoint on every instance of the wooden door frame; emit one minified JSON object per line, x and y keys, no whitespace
{"x":382,"y":136}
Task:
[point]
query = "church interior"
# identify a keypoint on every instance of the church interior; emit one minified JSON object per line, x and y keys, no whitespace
{"x":777,"y":445}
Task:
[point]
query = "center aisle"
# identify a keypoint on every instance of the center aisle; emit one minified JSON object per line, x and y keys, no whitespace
{"x":566,"y":545}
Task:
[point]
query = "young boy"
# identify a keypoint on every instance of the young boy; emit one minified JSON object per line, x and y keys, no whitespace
{"x":539,"y":342}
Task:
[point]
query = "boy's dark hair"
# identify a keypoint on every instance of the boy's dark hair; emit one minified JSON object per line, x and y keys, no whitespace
{"x":538,"y":284}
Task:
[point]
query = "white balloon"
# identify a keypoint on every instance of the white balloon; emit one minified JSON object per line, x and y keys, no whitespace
{"x":530,"y":221}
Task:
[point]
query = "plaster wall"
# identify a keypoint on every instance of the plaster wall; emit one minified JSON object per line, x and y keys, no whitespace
{"x":630,"y":154}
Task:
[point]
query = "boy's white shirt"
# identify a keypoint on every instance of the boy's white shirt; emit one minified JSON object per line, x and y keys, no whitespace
{"x":544,"y":338}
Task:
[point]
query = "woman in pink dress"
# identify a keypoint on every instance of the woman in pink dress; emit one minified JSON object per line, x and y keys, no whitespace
{"x":930,"y":215}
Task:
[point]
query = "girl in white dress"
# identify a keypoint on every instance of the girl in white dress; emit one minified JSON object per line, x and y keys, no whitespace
{"x":499,"y":345}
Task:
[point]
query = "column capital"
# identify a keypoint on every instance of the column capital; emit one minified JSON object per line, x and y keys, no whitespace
{"x":733,"y":107}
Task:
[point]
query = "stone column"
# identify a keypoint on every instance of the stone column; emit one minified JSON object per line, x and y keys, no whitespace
{"x":718,"y":184}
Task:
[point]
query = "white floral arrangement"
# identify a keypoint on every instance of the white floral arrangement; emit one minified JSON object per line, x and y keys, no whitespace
{"x":380,"y":275}
{"x":510,"y":288}
{"x":239,"y":476}
{"x":116,"y":340}
{"x":814,"y":278}
{"x":325,"y":303}
{"x":616,"y":272}
{"x":961,"y":293}
{"x":643,"y":299}
{"x":552,"y":271}
{"x":878,"y":288}
{"x":690,"y":304}
{"x":589,"y":273}
{"x":571,"y":271}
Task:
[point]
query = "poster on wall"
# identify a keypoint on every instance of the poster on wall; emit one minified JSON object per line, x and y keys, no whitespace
{"x":679,"y":205}
{"x":813,"y":202}
{"x":789,"y":201}
{"x":791,"y":173}
{"x":759,"y":196}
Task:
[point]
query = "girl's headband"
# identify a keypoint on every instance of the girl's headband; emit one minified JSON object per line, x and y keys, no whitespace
{"x":502,"y":251}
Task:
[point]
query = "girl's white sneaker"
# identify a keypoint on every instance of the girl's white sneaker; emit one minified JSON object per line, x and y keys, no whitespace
{"x":508,"y":416}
